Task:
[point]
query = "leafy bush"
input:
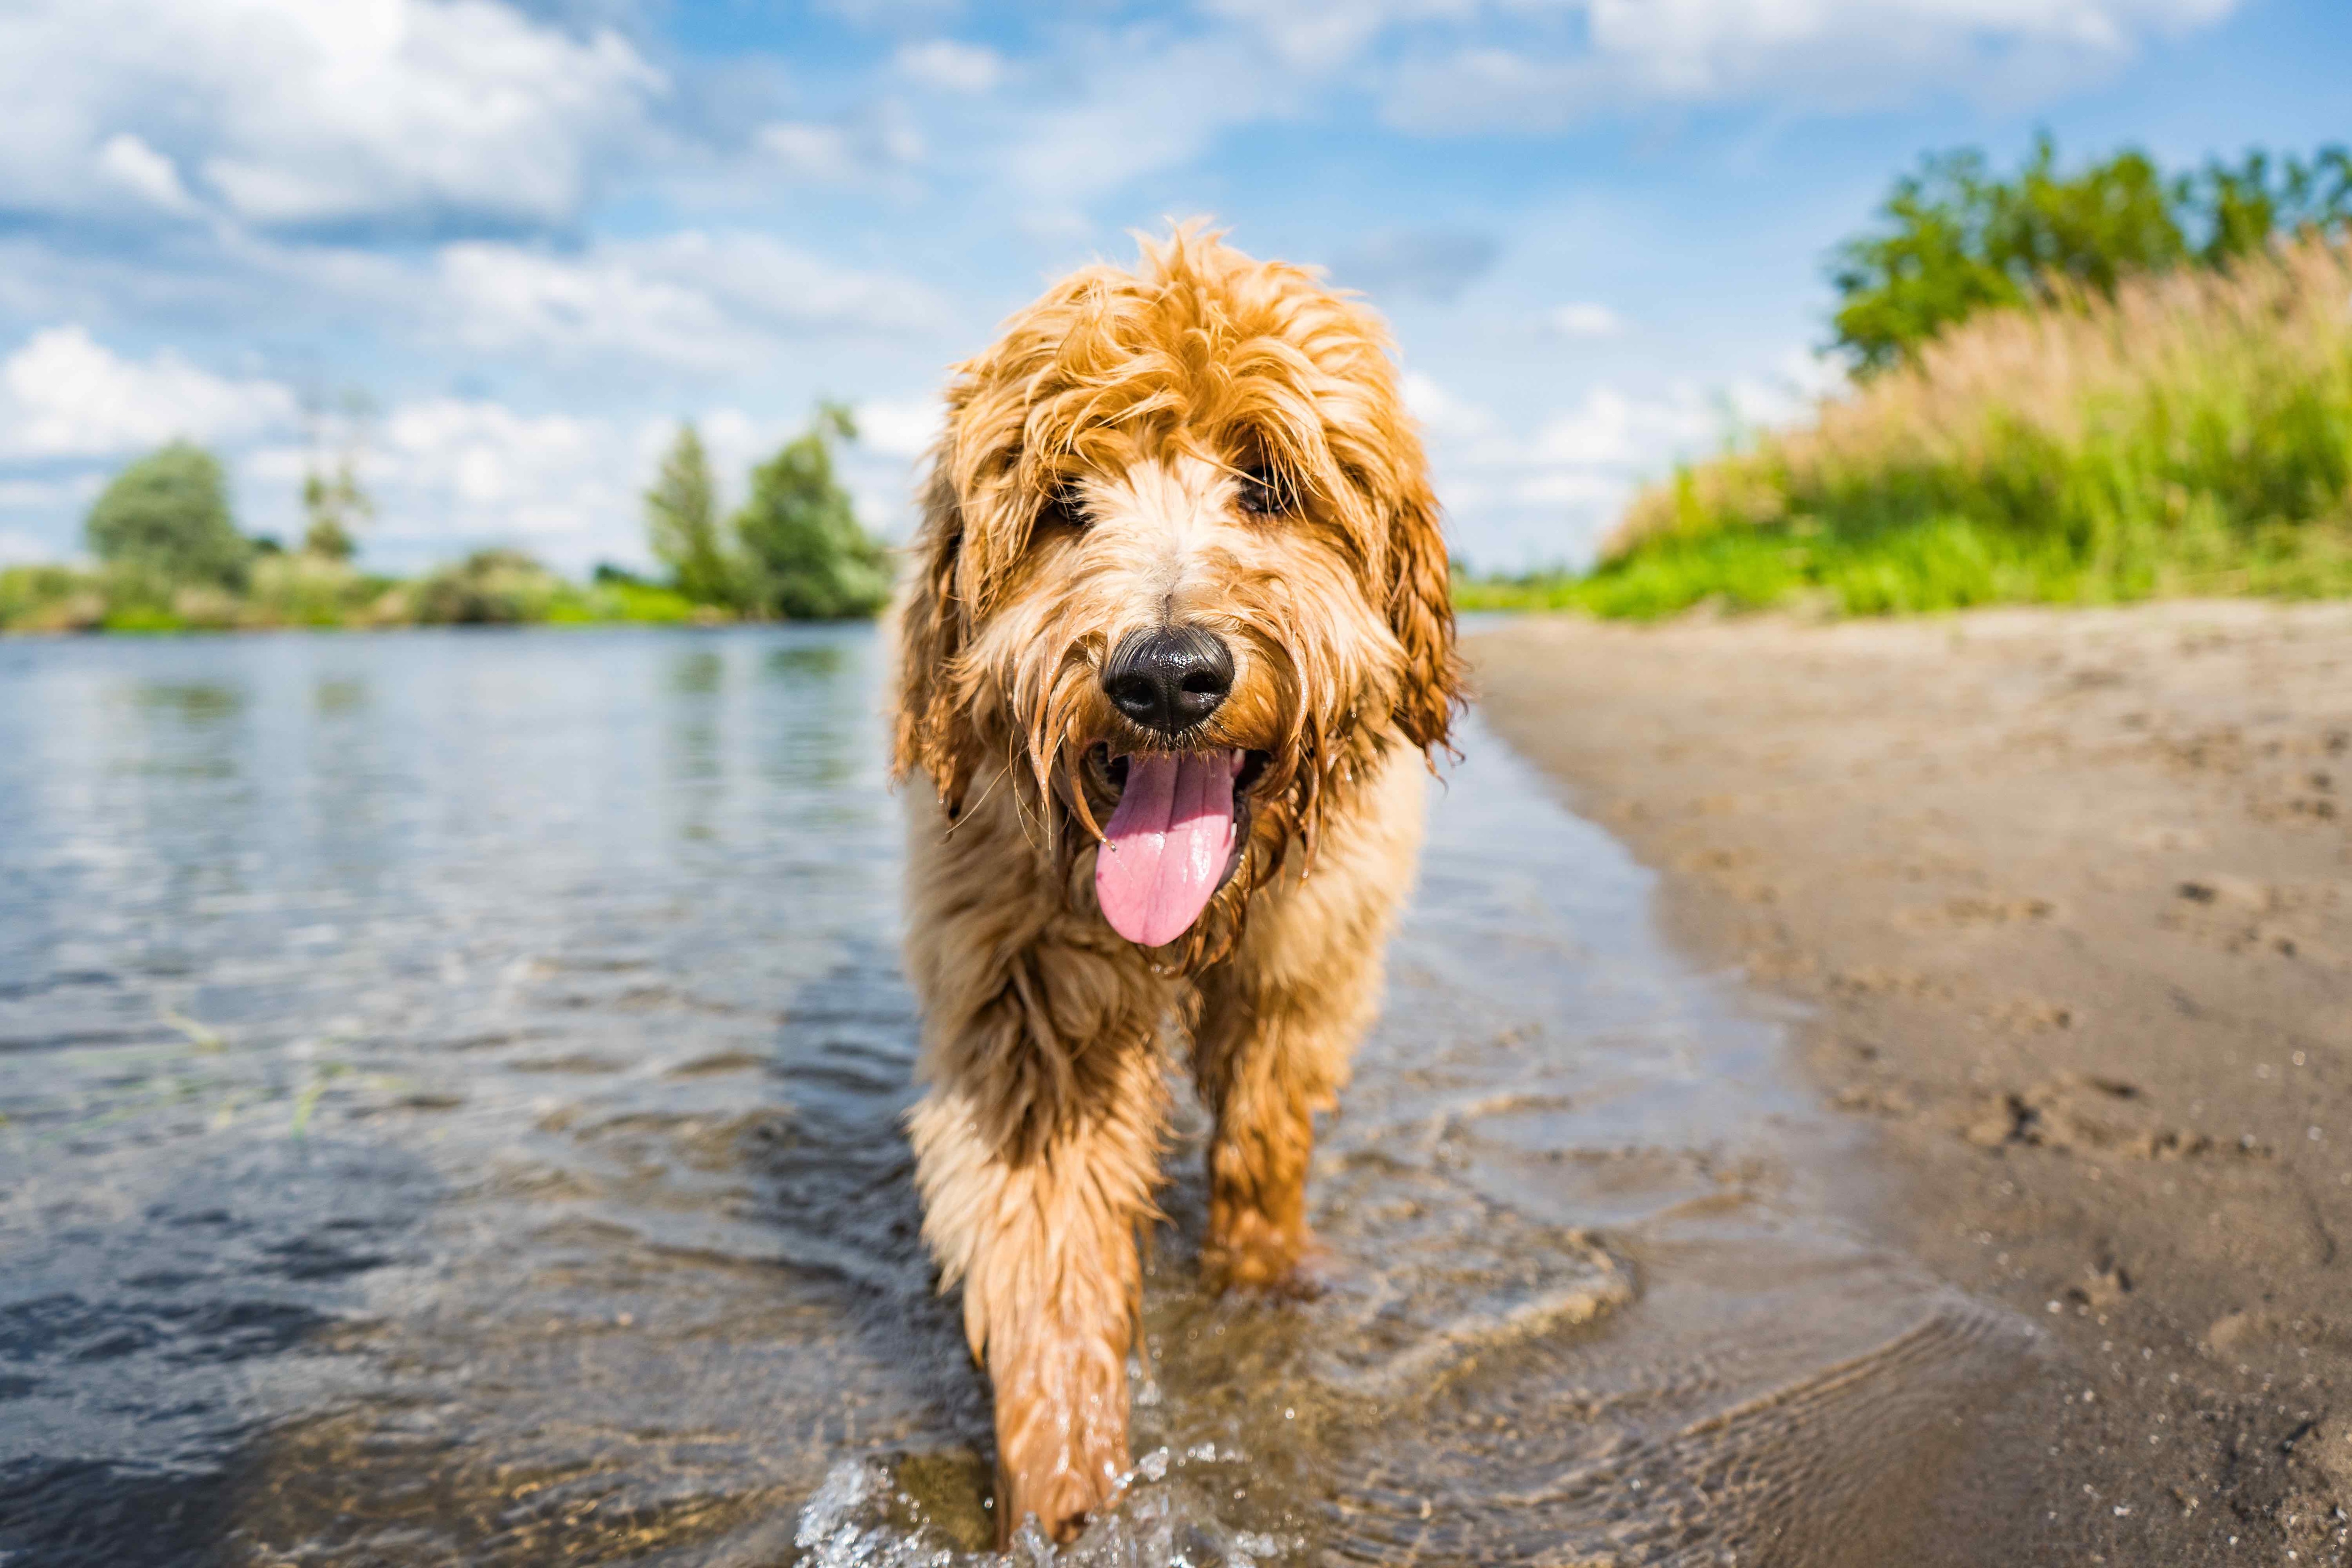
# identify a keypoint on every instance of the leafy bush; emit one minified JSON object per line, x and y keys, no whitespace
{"x":490,"y":587}
{"x":167,"y":516}
{"x":50,"y":599}
{"x":312,"y":589}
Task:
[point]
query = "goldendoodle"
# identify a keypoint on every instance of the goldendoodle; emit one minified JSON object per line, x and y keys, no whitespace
{"x":1174,"y":652}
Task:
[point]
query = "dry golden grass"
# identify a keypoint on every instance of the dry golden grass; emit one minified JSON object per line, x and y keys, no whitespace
{"x":2192,"y":433}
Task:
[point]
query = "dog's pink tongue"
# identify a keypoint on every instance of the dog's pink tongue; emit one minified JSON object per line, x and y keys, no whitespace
{"x":1167,"y":844}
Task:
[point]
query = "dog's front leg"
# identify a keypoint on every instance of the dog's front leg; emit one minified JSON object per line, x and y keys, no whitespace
{"x":1037,"y":1150}
{"x":1043,"y":1239}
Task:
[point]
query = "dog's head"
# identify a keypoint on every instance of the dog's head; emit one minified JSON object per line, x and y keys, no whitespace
{"x":1180,"y":577}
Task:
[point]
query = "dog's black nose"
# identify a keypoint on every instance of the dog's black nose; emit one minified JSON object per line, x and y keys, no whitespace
{"x":1169,"y":679}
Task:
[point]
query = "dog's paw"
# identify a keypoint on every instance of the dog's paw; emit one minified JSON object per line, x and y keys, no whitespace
{"x":1288,"y":1267}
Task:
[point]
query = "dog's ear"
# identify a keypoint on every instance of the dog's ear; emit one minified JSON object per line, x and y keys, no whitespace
{"x":931,"y":626}
{"x":1420,"y":613}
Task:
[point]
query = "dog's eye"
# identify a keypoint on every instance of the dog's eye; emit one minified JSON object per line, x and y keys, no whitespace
{"x":1067,"y":508}
{"x":1263,"y":494}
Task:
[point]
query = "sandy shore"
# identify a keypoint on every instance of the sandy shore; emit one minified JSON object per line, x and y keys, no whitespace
{"x":2070,"y":896}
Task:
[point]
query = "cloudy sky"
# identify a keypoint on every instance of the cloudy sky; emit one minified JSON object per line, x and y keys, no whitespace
{"x":536,"y":233}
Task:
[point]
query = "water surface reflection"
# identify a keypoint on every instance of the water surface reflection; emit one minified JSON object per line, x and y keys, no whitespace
{"x":451,"y":1086}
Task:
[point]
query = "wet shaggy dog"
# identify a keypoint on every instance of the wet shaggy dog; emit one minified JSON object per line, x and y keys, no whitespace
{"x":1174,"y":653}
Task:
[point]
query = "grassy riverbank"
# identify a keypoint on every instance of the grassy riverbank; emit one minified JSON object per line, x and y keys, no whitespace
{"x":2191,"y":434}
{"x":491,"y":588}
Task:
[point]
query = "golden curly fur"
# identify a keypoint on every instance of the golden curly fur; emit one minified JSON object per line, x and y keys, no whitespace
{"x":1216,"y":442}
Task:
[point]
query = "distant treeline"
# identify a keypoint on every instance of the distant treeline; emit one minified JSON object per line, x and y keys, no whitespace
{"x":169,"y":556}
{"x":2073,"y":389}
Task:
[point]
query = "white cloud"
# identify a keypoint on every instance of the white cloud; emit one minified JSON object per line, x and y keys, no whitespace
{"x":1440,"y":410}
{"x":811,"y":151}
{"x":735,"y":441}
{"x":1816,"y":55}
{"x":874,"y":145}
{"x":1149,"y":104}
{"x":951,"y":66}
{"x":64,"y":395}
{"x":24,"y":495}
{"x":1612,"y":430}
{"x":1324,"y":33}
{"x":1153,"y":96}
{"x":19,"y":547}
{"x":473,"y":467}
{"x":1587,"y":497}
{"x":1435,"y":263}
{"x":900,"y":428}
{"x":454,"y":473}
{"x":888,"y":13}
{"x":1549,"y":495}
{"x":1584,"y":320}
{"x":688,"y":299}
{"x":295,"y":111}
{"x":1546,"y":495}
{"x":1796,"y":384}
{"x":130,"y":162}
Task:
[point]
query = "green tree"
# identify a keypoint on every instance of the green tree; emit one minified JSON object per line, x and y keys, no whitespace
{"x":2240,"y":209}
{"x":805,"y":554}
{"x":1954,"y":238}
{"x":168,"y":515}
{"x":682,"y":523}
{"x":1956,"y":241}
{"x":333,"y":498}
{"x":336,"y":505}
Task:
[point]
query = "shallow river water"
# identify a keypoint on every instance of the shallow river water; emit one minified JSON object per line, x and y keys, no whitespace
{"x":451,"y":1087}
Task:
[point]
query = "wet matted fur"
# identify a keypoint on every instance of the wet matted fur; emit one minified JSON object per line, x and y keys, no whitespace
{"x":1206,"y":442}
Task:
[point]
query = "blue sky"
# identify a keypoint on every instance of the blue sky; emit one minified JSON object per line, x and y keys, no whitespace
{"x":538,"y":234}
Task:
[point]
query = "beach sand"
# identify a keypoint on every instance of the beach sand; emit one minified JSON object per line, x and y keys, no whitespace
{"x":2068,"y":898}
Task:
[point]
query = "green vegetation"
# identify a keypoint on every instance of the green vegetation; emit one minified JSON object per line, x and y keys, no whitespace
{"x":682,"y":523}
{"x":1955,"y":240}
{"x":506,"y":587}
{"x":492,"y":587}
{"x":333,"y":504}
{"x":166,"y":518}
{"x":170,"y":557}
{"x":805,"y":557}
{"x":794,"y":550}
{"x":2095,"y":390}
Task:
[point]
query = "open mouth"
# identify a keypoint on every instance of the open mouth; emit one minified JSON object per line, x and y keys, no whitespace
{"x":1174,"y":838}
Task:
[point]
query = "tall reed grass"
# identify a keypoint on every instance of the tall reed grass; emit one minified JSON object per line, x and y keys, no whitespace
{"x":2191,"y":434}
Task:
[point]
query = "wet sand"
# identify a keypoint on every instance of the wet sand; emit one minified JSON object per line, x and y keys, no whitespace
{"x":2067,"y":898}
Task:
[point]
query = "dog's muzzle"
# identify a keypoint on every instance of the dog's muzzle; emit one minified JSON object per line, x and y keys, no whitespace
{"x":1170,"y":678}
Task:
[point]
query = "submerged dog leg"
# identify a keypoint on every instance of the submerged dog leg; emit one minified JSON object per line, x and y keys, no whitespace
{"x":1044,"y":1246}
